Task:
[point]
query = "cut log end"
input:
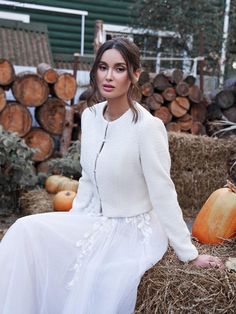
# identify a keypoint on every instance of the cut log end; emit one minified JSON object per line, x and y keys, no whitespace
{"x":16,"y":118}
{"x":42,"y":142}
{"x":65,"y":87}
{"x":7,"y":72}
{"x":30,"y":90}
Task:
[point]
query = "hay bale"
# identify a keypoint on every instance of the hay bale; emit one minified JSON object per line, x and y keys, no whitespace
{"x":35,"y":202}
{"x":200,"y":165}
{"x":172,"y":287}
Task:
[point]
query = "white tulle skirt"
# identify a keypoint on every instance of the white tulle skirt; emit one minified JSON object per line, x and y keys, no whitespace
{"x":77,"y":263}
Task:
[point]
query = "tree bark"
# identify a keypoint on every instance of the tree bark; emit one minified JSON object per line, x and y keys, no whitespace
{"x":3,"y":101}
{"x":47,"y":73}
{"x":67,"y":130}
{"x":199,"y":112}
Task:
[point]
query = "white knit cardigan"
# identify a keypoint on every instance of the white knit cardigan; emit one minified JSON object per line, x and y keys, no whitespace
{"x":126,"y":172}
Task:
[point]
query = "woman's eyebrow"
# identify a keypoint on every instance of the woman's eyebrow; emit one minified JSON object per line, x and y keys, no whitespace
{"x":116,"y":64}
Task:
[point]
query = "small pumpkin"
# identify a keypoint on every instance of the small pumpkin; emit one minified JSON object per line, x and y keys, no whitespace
{"x":52,"y":182}
{"x":70,"y":185}
{"x":63,"y":200}
{"x":216,"y":221}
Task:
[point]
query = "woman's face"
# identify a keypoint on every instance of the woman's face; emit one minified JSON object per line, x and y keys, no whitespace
{"x":112,"y":75}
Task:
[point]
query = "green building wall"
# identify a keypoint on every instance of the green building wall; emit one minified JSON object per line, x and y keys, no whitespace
{"x":65,"y":29}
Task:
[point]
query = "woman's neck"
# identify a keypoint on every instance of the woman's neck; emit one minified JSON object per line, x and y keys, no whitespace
{"x":114,"y":110}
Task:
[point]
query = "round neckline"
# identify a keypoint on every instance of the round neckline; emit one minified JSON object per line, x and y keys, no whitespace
{"x":115,"y":120}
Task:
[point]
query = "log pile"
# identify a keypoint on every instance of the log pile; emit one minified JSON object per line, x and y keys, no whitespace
{"x":176,"y":100}
{"x":47,"y":93}
{"x":222,"y":111}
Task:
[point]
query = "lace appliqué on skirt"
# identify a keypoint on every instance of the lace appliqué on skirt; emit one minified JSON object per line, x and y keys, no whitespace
{"x":104,"y":225}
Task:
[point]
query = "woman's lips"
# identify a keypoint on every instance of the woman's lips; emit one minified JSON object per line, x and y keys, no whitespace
{"x":108,"y":88}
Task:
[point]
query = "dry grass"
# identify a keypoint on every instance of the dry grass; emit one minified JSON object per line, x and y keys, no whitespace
{"x":35,"y":201}
{"x":200,"y":165}
{"x":172,"y":287}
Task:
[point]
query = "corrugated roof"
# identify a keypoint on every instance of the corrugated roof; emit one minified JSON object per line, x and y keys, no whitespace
{"x":25,"y":44}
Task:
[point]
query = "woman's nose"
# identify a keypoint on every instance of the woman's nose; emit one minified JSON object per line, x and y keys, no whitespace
{"x":109,"y":76}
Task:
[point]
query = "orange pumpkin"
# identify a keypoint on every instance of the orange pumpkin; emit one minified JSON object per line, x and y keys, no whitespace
{"x":52,"y":182}
{"x":69,"y":185}
{"x":216,"y":220}
{"x":63,"y":200}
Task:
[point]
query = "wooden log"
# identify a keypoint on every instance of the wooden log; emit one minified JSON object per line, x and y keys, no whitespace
{"x":42,"y":141}
{"x":164,"y":114}
{"x":214,"y":112}
{"x":161,"y":82}
{"x":67,"y":130}
{"x":147,"y":89}
{"x":16,"y":118}
{"x":173,"y":127}
{"x":199,"y":112}
{"x":169,"y":93}
{"x":185,"y":122}
{"x":225,"y":99}
{"x":30,"y":89}
{"x":197,"y":128}
{"x":177,"y":76}
{"x":65,"y":87}
{"x":182,"y":89}
{"x":230,"y":114}
{"x":49,"y":74}
{"x":195,"y":94}
{"x":7,"y":72}
{"x":179,"y":106}
{"x":190,"y":80}
{"x":144,"y":78}
{"x":155,"y":101}
{"x":3,"y":101}
{"x":51,"y":115}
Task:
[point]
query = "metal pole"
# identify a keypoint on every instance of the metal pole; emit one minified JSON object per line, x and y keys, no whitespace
{"x":82,"y":35}
{"x":224,"y":43}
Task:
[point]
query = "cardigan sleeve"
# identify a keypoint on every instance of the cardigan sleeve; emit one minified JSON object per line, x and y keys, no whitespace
{"x":84,"y":193}
{"x":155,"y":161}
{"x":85,"y":189}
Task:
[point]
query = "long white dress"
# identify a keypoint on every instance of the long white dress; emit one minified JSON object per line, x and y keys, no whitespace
{"x":79,"y":262}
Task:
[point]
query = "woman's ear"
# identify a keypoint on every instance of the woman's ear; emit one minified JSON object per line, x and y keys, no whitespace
{"x":137,"y":74}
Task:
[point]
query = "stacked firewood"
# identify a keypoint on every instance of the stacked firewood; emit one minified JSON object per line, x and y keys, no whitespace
{"x":175,"y":99}
{"x":43,"y":97}
{"x":222,"y":110}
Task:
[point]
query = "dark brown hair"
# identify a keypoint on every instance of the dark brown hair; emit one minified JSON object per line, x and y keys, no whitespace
{"x":131,"y":55}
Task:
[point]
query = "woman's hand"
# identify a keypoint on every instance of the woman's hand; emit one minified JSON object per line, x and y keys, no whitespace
{"x":207,"y":261}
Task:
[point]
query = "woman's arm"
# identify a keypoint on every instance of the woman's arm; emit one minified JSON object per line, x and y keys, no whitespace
{"x":155,"y":160}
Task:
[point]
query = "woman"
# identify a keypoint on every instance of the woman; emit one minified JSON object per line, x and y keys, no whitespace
{"x":90,"y":260}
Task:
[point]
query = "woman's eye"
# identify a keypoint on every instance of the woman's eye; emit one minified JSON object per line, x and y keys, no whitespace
{"x":120,"y":69}
{"x":102,"y":67}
